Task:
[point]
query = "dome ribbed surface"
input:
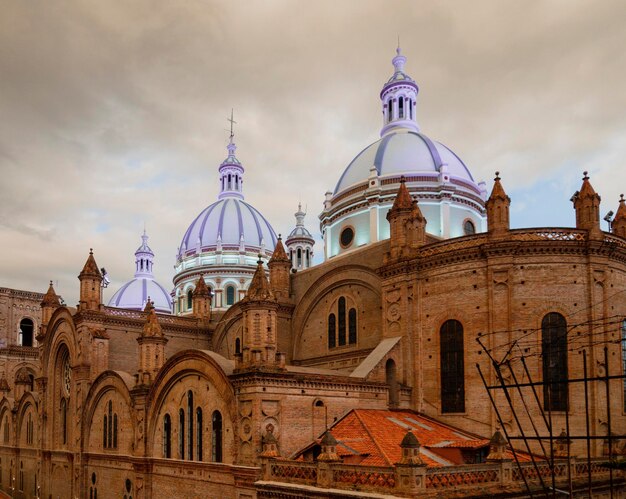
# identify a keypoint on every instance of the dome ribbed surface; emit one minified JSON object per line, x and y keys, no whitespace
{"x":229,"y":219}
{"x":135,"y":293}
{"x":403,"y":153}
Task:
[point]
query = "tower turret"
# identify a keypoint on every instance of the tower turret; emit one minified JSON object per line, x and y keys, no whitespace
{"x":587,"y":206}
{"x":498,"y":209}
{"x":406,"y":223}
{"x":279,"y":266}
{"x":201,"y":300}
{"x":300,"y":243}
{"x":399,"y":98}
{"x":259,"y":323}
{"x":49,"y":304}
{"x":90,"y":285}
{"x":231,"y":174}
{"x":619,"y":222}
{"x":151,"y":347}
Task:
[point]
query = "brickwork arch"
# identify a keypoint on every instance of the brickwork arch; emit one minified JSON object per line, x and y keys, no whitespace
{"x":27,"y":428}
{"x":201,"y":373}
{"x":223,"y":337}
{"x":110,"y":386}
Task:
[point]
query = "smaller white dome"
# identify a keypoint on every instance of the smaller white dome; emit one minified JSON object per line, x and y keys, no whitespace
{"x":134,"y":295}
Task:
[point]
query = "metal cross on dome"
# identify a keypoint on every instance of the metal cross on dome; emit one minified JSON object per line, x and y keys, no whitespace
{"x":232,"y":122}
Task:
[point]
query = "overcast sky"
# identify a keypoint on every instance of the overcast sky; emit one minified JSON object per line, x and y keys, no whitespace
{"x":113,"y":114}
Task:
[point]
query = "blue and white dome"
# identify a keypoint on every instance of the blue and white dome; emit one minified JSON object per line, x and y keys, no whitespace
{"x":223,"y":243}
{"x":135,"y":293}
{"x":229,"y":223}
{"x":452,"y":202}
{"x":408,"y":153}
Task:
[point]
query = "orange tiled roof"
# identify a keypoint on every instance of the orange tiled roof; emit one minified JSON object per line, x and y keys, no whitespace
{"x":376,"y":435}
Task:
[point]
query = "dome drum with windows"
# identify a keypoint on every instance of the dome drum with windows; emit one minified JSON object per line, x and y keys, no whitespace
{"x":452,"y":202}
{"x":222,"y":243}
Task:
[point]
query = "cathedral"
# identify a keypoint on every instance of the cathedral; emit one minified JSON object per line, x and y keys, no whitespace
{"x":260,"y":374}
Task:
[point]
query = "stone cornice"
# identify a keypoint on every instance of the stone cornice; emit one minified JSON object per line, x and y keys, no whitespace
{"x":18,"y":293}
{"x":301,"y":380}
{"x":520,"y":242}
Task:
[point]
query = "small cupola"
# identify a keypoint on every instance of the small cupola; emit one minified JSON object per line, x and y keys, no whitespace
{"x":399,"y":99}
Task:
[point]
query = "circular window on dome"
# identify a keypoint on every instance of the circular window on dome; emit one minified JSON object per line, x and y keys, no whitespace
{"x":469,"y":228}
{"x":346,"y":237}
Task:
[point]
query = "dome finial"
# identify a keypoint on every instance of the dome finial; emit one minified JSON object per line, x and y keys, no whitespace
{"x":398,"y":50}
{"x":232,"y":122}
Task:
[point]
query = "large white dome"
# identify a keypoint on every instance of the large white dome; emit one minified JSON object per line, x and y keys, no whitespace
{"x":231,"y":222}
{"x":407,"y":153}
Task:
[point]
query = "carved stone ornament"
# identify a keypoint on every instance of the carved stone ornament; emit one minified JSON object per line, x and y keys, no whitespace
{"x":393,"y":312}
{"x":393,"y":296}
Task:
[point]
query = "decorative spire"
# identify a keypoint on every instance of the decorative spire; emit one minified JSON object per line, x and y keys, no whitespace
{"x":90,"y":268}
{"x":144,"y":258}
{"x":279,"y":252}
{"x":587,"y":206}
{"x":498,"y":209}
{"x":152,"y":327}
{"x":399,"y":60}
{"x":259,"y":288}
{"x":50,"y":299}
{"x":618,"y":226}
{"x":231,"y":169}
{"x":403,"y":198}
{"x":201,"y":288}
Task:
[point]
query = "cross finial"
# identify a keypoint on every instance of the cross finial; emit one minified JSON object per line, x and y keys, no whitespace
{"x":232,"y":122}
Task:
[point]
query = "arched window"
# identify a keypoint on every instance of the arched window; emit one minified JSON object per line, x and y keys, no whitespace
{"x":199,"y":433}
{"x":105,"y":426}
{"x":308,"y":258}
{"x":410,"y":105}
{"x":624,"y":359}
{"x":237,"y":346}
{"x":352,"y":326}
{"x":341,"y":316}
{"x":216,"y":440}
{"x":189,"y":299}
{"x":332,"y":331}
{"x":181,"y":434}
{"x":21,"y":475}
{"x":469,"y":228}
{"x":389,"y":111}
{"x":26,"y":333}
{"x":29,"y":429}
{"x":554,"y":354}
{"x":110,"y":427}
{"x":167,"y":436}
{"x":93,"y":491}
{"x":190,"y":429}
{"x":401,"y":107}
{"x":452,"y":367}
{"x":63,"y":421}
{"x":115,"y":431}
{"x":6,"y":429}
{"x":390,"y":377}
{"x":230,"y":295}
{"x":299,"y":257}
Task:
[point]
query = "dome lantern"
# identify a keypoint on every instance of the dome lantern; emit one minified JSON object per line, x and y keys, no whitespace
{"x":399,"y":99}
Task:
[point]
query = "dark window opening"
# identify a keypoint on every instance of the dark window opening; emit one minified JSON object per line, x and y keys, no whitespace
{"x":469,"y":228}
{"x":332,"y":331}
{"x":341,"y":316}
{"x":199,"y":433}
{"x":237,"y":346}
{"x":230,"y":295}
{"x":167,"y":436}
{"x":216,"y":441}
{"x":26,"y":333}
{"x":452,"y":367}
{"x":346,"y":237}
{"x":554,"y":353}
{"x":190,"y":429}
{"x":189,"y":299}
{"x":401,"y":108}
{"x":352,"y":326}
{"x":181,"y":434}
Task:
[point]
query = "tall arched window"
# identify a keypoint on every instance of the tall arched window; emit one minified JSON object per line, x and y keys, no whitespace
{"x":167,"y":436}
{"x":199,"y":433}
{"x":410,"y":104}
{"x":189,"y":299}
{"x":63,"y":421}
{"x":332,"y":331}
{"x":216,"y":440}
{"x":6,"y":429}
{"x":190,"y":429}
{"x":230,"y":295}
{"x":299,"y":257}
{"x":469,"y":228}
{"x":554,"y":354}
{"x":26,"y":333}
{"x":401,"y":107}
{"x":452,"y":367}
{"x":389,"y":111}
{"x":624,"y":359}
{"x":181,"y":434}
{"x":341,"y":316}
{"x":352,"y":326}
{"x":237,"y":346}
